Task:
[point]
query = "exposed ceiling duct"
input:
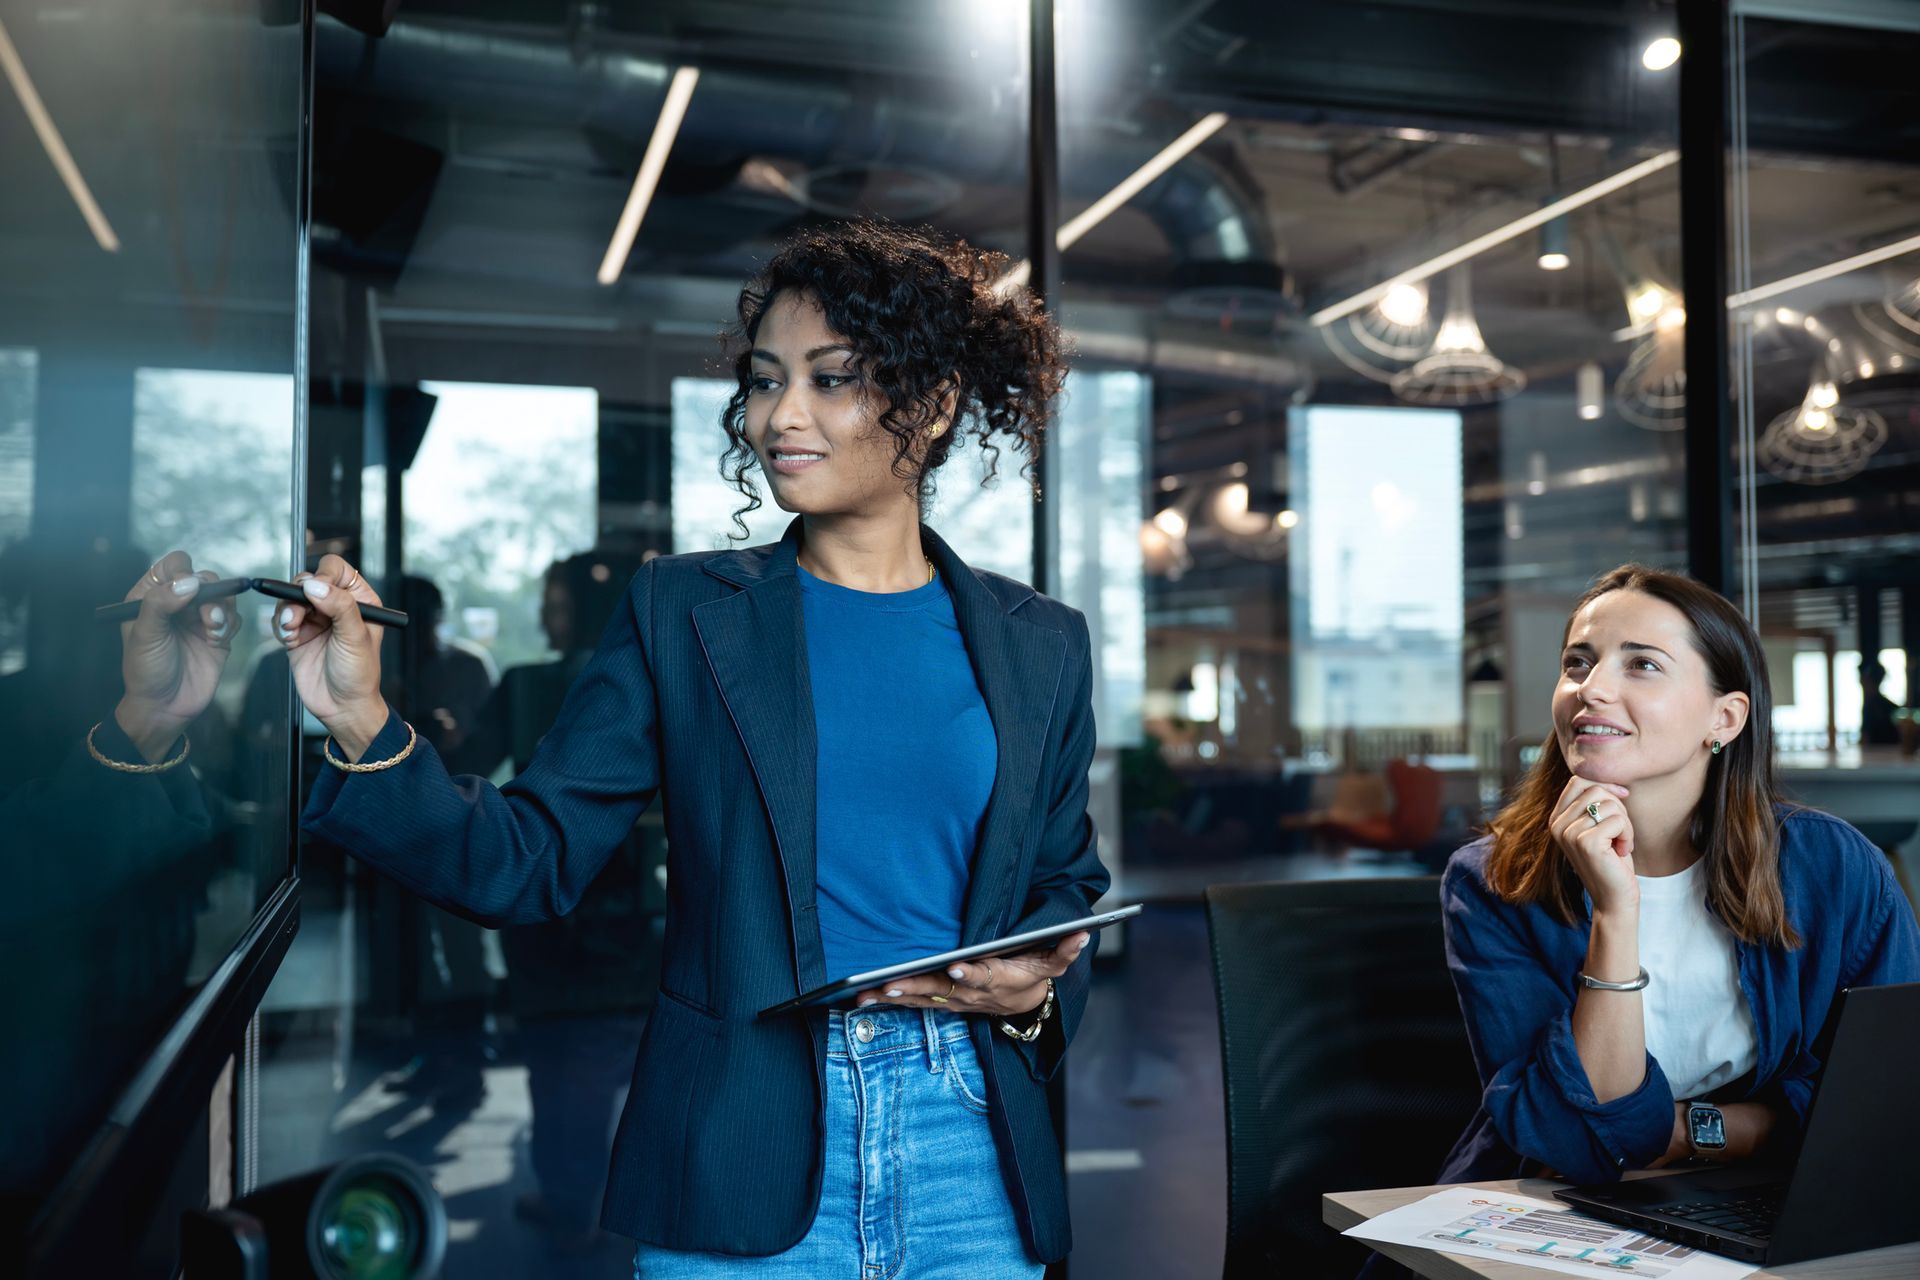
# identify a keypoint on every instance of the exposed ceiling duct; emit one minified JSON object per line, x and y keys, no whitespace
{"x":1216,"y":232}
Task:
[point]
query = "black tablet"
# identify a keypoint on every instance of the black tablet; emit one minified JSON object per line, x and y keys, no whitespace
{"x":1007,"y":946}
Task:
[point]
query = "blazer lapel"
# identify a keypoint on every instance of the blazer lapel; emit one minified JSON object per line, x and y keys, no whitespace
{"x":756,"y":645}
{"x":755,"y":642}
{"x":1018,"y":664}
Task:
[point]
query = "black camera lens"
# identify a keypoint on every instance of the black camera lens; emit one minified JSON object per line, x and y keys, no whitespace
{"x":370,"y":1231}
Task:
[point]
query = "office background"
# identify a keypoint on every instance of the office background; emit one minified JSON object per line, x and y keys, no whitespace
{"x":1397,"y":321}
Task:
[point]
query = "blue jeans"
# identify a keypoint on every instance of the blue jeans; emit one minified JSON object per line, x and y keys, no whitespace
{"x":912,"y":1188}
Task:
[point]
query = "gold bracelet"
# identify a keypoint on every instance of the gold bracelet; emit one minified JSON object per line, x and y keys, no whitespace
{"x":363,"y":767}
{"x":121,"y":766}
{"x":1032,"y":1033}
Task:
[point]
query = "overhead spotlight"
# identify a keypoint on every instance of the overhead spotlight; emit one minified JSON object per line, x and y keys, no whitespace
{"x":1589,"y":386}
{"x":1646,"y":301}
{"x":1553,"y":246}
{"x":1660,"y":54}
{"x":1405,"y":305}
{"x":1171,"y":521}
{"x":1823,"y":395}
{"x":1287,"y":519}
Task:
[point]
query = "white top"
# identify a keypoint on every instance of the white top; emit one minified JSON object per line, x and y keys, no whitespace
{"x":1699,"y":1026}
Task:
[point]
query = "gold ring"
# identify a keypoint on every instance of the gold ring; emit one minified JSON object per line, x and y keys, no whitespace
{"x":348,"y":586}
{"x":951,"y":985}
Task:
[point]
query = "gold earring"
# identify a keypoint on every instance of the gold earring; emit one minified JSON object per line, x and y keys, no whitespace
{"x":933,"y":433}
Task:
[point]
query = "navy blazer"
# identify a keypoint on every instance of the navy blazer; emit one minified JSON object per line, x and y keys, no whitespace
{"x":700,"y":693}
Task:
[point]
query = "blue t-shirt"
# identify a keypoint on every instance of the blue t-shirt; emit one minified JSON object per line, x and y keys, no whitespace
{"x":905,"y":764}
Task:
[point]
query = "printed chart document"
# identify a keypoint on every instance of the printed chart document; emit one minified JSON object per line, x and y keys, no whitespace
{"x":1475,"y":1223}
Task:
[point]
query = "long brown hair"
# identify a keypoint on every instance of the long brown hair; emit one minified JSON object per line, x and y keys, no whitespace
{"x":1734,"y":827}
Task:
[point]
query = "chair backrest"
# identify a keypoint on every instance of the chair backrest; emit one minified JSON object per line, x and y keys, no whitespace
{"x":1345,"y":1058}
{"x":1416,"y":803}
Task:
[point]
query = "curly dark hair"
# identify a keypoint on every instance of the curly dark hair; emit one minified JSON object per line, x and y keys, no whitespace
{"x":925,"y":319}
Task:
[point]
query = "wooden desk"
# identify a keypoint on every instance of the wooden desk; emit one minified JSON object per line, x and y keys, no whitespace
{"x":1343,"y":1209}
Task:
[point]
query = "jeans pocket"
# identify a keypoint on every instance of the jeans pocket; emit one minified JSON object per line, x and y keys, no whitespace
{"x":964,"y":1077}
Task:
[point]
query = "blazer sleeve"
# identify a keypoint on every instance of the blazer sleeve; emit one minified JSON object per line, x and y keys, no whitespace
{"x":525,"y":852}
{"x":1068,"y":876}
{"x":1520,"y":1027}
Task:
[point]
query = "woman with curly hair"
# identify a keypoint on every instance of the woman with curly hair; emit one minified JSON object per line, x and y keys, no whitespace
{"x":866,"y":750}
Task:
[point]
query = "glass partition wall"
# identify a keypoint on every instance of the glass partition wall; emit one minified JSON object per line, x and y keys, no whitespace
{"x":1381,"y":357}
{"x":1402,"y":325}
{"x":150,"y":250}
{"x":516,"y":406}
{"x":1826,"y":378}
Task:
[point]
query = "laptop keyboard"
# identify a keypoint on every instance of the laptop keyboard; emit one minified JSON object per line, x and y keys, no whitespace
{"x":1752,"y":1216}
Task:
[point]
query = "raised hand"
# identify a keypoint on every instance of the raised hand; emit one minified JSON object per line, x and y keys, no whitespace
{"x":171,"y":654}
{"x":1593,"y":832}
{"x":335,"y":653}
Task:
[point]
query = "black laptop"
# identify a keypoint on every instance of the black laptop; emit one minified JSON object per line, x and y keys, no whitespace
{"x":1851,"y":1187}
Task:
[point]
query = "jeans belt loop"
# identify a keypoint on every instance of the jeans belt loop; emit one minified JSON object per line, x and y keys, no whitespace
{"x":932,"y":1028}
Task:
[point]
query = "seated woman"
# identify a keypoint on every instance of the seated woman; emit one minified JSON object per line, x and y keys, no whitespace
{"x":1647,"y":945}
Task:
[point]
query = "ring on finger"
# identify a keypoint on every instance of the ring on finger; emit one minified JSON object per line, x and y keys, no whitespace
{"x":1593,"y":812}
{"x":951,"y":987}
{"x":355,"y":577}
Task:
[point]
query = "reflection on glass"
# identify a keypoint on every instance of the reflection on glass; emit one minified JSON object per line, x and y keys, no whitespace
{"x":16,"y":493}
{"x":483,"y":164}
{"x":503,"y":486}
{"x":1098,"y":440}
{"x":148,"y":244}
{"x":1826,"y":341}
{"x":1376,"y":559}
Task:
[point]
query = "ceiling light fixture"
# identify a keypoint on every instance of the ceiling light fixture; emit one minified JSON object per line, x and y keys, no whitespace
{"x":1589,"y":385}
{"x":1460,"y":370}
{"x":1820,"y":440}
{"x":1660,"y":54}
{"x":1087,"y":219}
{"x":1171,"y":154}
{"x":1405,"y":305}
{"x":1384,"y":339}
{"x":1553,"y":246}
{"x":1815,"y":275}
{"x":672,"y":111}
{"x":55,"y":146}
{"x":1498,"y":236}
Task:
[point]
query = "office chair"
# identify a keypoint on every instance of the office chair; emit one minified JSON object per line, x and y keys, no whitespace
{"x":1415,"y":792}
{"x":1345,"y":1058}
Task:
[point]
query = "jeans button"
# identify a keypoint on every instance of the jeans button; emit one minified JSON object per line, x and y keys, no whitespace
{"x":863,"y":1030}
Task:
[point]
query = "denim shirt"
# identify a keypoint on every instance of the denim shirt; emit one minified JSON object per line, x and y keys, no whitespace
{"x":1514,"y":967}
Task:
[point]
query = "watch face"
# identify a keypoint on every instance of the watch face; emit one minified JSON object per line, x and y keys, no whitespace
{"x":1707,"y":1127}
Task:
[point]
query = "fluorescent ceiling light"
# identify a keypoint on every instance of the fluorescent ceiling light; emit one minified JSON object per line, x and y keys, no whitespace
{"x":1087,"y":219}
{"x":672,"y":111}
{"x":16,"y":73}
{"x":1787,"y":284}
{"x":1498,"y":236}
{"x":1171,"y":154}
{"x":1660,"y":54}
{"x":1555,"y":262}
